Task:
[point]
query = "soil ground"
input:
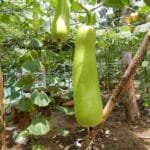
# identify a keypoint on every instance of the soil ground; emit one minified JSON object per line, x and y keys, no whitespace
{"x":116,"y":134}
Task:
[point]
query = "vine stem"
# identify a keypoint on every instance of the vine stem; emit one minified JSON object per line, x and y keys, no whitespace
{"x":89,"y":15}
{"x":97,"y":7}
{"x":118,"y":91}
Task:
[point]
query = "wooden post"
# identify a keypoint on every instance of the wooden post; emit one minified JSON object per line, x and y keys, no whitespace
{"x":3,"y":117}
{"x":131,"y":107}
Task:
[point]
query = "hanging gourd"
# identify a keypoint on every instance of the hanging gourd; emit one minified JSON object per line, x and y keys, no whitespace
{"x":87,"y":98}
{"x":36,"y":21}
{"x":61,"y":22}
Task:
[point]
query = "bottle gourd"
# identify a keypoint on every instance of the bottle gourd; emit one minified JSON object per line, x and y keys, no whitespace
{"x":87,"y":98}
{"x":36,"y":21}
{"x":61,"y":22}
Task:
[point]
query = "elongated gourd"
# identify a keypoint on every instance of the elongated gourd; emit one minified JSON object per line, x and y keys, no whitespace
{"x":60,"y":25}
{"x":87,"y":98}
{"x":36,"y":21}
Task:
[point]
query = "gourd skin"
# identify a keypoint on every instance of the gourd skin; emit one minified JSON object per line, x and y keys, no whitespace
{"x":87,"y":99}
{"x":36,"y":21}
{"x":61,"y":22}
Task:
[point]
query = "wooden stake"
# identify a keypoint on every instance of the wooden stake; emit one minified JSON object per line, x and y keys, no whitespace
{"x":3,"y":117}
{"x":129,"y":96}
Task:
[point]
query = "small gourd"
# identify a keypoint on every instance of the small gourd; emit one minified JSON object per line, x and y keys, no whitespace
{"x":61,"y":22}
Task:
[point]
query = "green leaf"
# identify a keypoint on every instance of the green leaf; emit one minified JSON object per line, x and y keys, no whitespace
{"x":33,"y":65}
{"x":67,"y":111}
{"x":22,"y":136}
{"x":116,"y":3}
{"x":14,"y":95}
{"x":40,"y":99}
{"x":34,"y":94}
{"x":34,"y":43}
{"x":25,"y":105}
{"x":147,"y":2}
{"x":147,"y":103}
{"x":54,"y":89}
{"x":5,"y":18}
{"x":39,"y":126}
{"x":25,"y":82}
{"x":145,"y":64}
{"x":145,"y":9}
{"x":28,"y":55}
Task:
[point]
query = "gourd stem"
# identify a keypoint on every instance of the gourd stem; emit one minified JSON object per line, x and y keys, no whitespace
{"x":89,"y":16}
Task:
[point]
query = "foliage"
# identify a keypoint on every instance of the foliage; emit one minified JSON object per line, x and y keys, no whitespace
{"x":33,"y":61}
{"x":40,"y":98}
{"x":39,"y":126}
{"x":116,"y":3}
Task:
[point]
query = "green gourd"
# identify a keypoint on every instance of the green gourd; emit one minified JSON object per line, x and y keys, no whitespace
{"x":87,"y":99}
{"x":61,"y":22}
{"x":36,"y":21}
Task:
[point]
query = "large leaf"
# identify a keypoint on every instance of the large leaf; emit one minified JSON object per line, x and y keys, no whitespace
{"x":15,"y":95}
{"x":25,"y":105}
{"x":26,"y":56}
{"x":116,"y":3}
{"x":39,"y":126}
{"x":25,"y":82}
{"x":22,"y":137}
{"x":40,"y":99}
{"x":29,"y":56}
{"x":35,"y":43}
{"x":33,"y":65}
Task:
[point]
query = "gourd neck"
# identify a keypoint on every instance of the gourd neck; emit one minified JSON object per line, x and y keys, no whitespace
{"x":89,"y":15}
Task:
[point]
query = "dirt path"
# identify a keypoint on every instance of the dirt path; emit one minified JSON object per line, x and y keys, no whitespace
{"x":115,"y":135}
{"x":144,"y":134}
